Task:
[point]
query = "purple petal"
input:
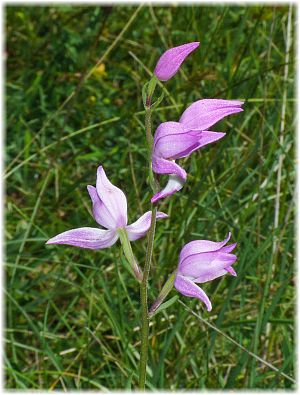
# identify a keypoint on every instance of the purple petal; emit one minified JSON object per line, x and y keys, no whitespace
{"x":228,"y":248}
{"x":208,"y":137}
{"x":225,"y":257}
{"x":176,"y":147}
{"x":188,"y":288}
{"x":92,"y":238}
{"x":216,"y":270}
{"x":171,"y":60}
{"x":212,"y":275}
{"x":113,"y":199}
{"x":231,"y":271}
{"x":199,"y":246}
{"x":206,"y":266}
{"x":172,"y":140}
{"x":204,"y":113}
{"x":101,"y":214}
{"x":174,"y":184}
{"x":164,"y":166}
{"x":140,"y":227}
{"x":205,"y":259}
{"x":200,"y":259}
{"x":167,"y":128}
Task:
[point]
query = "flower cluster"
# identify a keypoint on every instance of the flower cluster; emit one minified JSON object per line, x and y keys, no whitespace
{"x":175,"y":140}
{"x":200,"y":260}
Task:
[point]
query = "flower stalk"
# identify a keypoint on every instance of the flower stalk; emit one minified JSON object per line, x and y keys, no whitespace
{"x":129,"y":254}
{"x":144,"y":284}
{"x":144,"y":303}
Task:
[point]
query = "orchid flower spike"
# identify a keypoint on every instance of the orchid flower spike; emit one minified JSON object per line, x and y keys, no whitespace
{"x":171,"y":60}
{"x":109,"y":211}
{"x":201,"y":261}
{"x":175,"y":140}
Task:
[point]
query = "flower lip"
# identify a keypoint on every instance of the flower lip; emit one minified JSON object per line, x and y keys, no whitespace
{"x":174,"y":184}
{"x":171,"y":60}
{"x":165,"y":166}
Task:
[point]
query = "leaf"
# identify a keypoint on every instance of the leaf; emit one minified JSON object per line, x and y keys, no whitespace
{"x":166,"y":304}
{"x":158,"y":101}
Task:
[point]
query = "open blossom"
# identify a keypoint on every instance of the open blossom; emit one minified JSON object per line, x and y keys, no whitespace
{"x":201,"y":261}
{"x":171,"y":60}
{"x":109,"y":211}
{"x":175,"y":140}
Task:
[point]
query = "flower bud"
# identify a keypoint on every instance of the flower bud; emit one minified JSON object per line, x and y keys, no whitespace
{"x":171,"y":60}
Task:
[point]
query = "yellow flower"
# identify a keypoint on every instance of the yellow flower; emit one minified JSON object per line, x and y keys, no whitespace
{"x":99,"y":71}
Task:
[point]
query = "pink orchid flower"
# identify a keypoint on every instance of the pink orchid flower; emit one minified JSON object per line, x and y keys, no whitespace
{"x":175,"y":140}
{"x":201,"y":261}
{"x":109,"y":211}
{"x":171,"y":60}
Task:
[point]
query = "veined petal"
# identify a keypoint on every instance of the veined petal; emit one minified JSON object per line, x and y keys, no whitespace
{"x":187,"y":143}
{"x":188,"y":288}
{"x":199,"y":246}
{"x":199,"y":262}
{"x":140,"y":227}
{"x":176,"y":145}
{"x":200,"y":259}
{"x":174,"y":184}
{"x":204,"y":113}
{"x":219,"y":267}
{"x":92,"y":238}
{"x":166,"y":128}
{"x":202,"y":271}
{"x":164,"y":166}
{"x":171,"y":60}
{"x":113,"y":199}
{"x":100,"y":212}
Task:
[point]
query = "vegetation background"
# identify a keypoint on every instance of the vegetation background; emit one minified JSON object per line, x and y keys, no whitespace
{"x":72,"y":314}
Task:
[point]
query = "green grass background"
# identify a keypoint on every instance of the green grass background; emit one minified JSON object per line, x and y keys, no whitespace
{"x":72,"y":317}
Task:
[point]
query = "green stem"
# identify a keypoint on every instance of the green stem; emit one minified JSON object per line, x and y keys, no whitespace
{"x":144,"y":302}
{"x":151,"y":234}
{"x":149,"y":137}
